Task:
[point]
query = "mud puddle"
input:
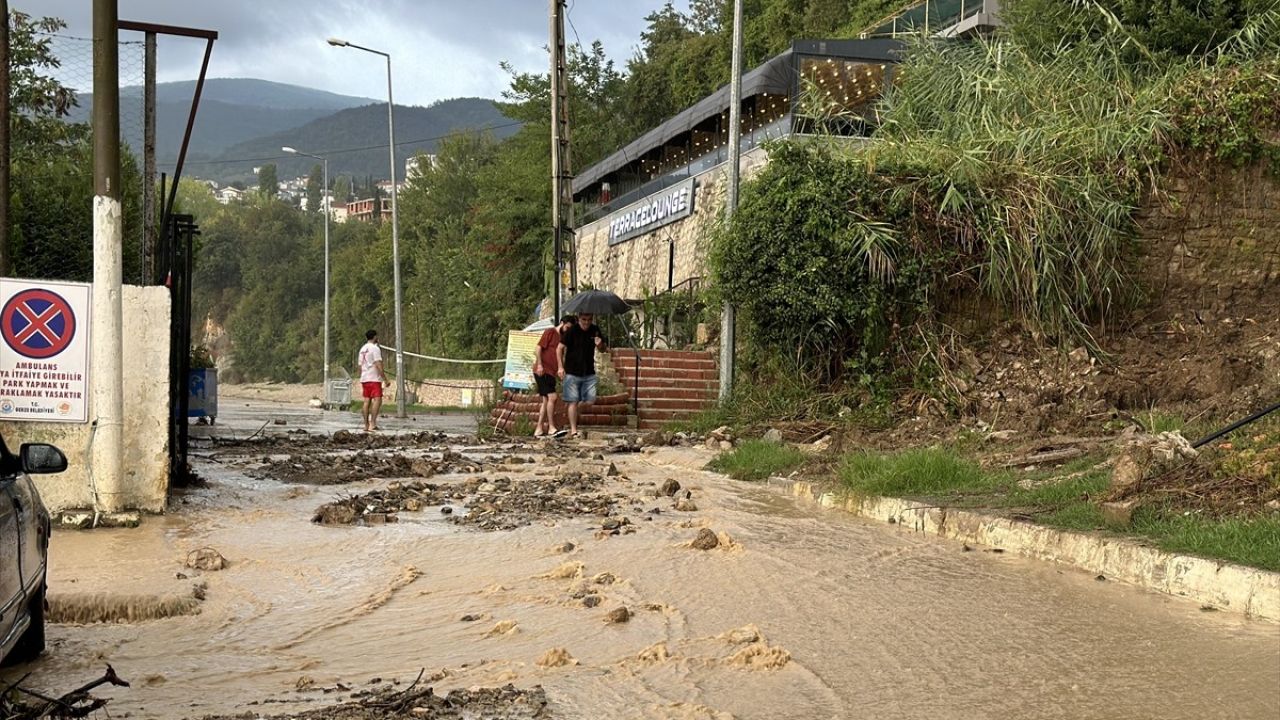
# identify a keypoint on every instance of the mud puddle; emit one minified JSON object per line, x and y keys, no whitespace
{"x":792,"y":612}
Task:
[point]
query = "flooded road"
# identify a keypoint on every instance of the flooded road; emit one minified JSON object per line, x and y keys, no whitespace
{"x":799,"y":612}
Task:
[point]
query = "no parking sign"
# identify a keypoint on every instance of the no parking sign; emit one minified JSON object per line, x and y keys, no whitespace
{"x":44,"y":356}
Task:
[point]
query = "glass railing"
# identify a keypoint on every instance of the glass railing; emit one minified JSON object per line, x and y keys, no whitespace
{"x":932,"y":16}
{"x":777,"y":129}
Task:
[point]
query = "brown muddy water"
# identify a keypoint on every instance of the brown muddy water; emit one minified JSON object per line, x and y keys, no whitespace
{"x":799,"y":613}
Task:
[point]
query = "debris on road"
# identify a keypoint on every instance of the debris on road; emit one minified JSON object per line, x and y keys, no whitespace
{"x":499,"y":503}
{"x":387,"y":701}
{"x":76,"y":704}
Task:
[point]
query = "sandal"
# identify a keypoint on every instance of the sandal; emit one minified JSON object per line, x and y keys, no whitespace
{"x":559,"y":433}
{"x":539,"y":434}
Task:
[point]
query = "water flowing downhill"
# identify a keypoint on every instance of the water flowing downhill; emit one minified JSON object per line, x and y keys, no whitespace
{"x":797,"y":613}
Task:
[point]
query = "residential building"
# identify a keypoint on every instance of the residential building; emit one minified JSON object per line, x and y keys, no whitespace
{"x":363,"y":210}
{"x":229,"y":195}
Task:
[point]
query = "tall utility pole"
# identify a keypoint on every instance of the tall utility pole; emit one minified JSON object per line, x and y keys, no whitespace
{"x":561,"y":177}
{"x":395,"y":222}
{"x":728,"y":323}
{"x":107,"y":457}
{"x":4,"y":140}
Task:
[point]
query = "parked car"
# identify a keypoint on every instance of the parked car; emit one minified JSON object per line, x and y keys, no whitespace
{"x":24,"y":549}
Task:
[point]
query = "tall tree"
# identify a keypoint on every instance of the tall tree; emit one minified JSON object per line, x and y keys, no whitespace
{"x":315,"y":185}
{"x":268,"y":181}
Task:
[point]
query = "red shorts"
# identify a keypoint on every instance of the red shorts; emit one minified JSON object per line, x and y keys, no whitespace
{"x":371,"y":389}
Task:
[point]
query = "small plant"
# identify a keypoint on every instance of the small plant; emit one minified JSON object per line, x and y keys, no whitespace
{"x":200,"y":358}
{"x":523,"y":426}
{"x":757,"y":460}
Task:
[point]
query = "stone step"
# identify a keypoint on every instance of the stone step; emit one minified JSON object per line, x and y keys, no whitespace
{"x":692,"y":354}
{"x":665,"y":363}
{"x":659,"y":404}
{"x":646,"y":372}
{"x":668,"y":393}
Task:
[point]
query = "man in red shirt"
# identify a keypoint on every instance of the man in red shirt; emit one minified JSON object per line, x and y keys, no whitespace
{"x":545,"y":368}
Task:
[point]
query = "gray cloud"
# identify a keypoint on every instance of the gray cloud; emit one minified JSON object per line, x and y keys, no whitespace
{"x":440,"y":48}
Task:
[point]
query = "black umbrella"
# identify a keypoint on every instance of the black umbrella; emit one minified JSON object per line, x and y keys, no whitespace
{"x":596,"y":302}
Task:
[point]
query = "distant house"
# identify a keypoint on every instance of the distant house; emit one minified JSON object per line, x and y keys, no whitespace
{"x":339,"y":212}
{"x":229,"y":194}
{"x":414,"y":166}
{"x":363,"y":210}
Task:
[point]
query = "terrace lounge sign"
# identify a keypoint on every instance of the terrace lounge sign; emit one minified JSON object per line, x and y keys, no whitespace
{"x":668,"y":206}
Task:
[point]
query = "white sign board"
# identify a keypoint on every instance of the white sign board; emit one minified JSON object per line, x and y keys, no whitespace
{"x":44,"y":352}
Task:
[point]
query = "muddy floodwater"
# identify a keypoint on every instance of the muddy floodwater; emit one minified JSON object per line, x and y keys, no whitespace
{"x":798,"y":612}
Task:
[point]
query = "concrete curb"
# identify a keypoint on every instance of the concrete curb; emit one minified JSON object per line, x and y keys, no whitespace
{"x":1226,"y":586}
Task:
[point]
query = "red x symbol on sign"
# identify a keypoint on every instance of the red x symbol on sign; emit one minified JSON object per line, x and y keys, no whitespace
{"x":38,"y":323}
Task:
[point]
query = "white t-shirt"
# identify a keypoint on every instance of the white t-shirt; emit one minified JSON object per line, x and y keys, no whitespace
{"x":370,"y":354}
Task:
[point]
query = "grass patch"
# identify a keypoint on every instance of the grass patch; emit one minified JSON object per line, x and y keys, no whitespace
{"x":927,"y":471}
{"x":1066,"y":497}
{"x":757,"y":460}
{"x":1253,"y":541}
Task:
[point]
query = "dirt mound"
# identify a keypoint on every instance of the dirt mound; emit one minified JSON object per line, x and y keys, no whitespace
{"x":341,"y":440}
{"x":504,"y":703}
{"x":492,"y":503}
{"x":321,"y":469}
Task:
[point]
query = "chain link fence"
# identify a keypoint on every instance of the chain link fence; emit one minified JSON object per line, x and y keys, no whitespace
{"x":52,"y":205}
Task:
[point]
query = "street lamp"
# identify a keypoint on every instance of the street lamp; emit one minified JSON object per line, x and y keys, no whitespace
{"x":324,"y":205}
{"x":395,"y":223}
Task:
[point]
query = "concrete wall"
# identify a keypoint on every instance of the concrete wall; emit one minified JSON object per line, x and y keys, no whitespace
{"x":444,"y":393}
{"x":146,"y":409}
{"x":634,"y":266}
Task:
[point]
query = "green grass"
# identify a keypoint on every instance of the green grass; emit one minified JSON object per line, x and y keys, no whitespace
{"x":757,"y":460}
{"x":928,"y":471}
{"x":1253,"y":541}
{"x":942,"y":475}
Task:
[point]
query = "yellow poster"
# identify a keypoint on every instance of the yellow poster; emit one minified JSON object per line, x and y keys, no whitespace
{"x":522,"y":350}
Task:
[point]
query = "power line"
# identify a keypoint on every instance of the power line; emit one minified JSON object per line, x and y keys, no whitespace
{"x":353,"y":149}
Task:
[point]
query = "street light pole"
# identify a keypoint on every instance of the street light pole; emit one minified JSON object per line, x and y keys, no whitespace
{"x":395,"y":224}
{"x":728,"y":320}
{"x":324,"y":207}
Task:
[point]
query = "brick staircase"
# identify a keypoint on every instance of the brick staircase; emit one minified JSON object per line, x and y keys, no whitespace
{"x":674,"y":384}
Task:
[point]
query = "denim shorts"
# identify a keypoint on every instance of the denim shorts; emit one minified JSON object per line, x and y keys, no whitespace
{"x":579,"y":389}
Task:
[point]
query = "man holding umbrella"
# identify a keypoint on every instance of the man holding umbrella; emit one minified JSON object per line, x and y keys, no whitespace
{"x":578,"y":346}
{"x":577,"y":355}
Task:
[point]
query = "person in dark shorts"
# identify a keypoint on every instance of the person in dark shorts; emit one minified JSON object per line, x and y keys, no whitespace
{"x":577,"y":354}
{"x":546,"y":366}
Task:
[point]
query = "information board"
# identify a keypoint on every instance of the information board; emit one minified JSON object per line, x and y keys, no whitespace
{"x":44,"y":359}
{"x":522,"y":351}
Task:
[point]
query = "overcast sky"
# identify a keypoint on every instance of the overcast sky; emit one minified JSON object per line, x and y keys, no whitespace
{"x":440,"y":48}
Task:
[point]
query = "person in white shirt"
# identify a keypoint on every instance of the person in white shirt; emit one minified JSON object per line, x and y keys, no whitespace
{"x":372,"y":380}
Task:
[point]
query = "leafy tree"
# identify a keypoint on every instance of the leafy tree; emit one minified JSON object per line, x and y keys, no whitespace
{"x":268,"y":181}
{"x":51,"y":206}
{"x":315,"y":182}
